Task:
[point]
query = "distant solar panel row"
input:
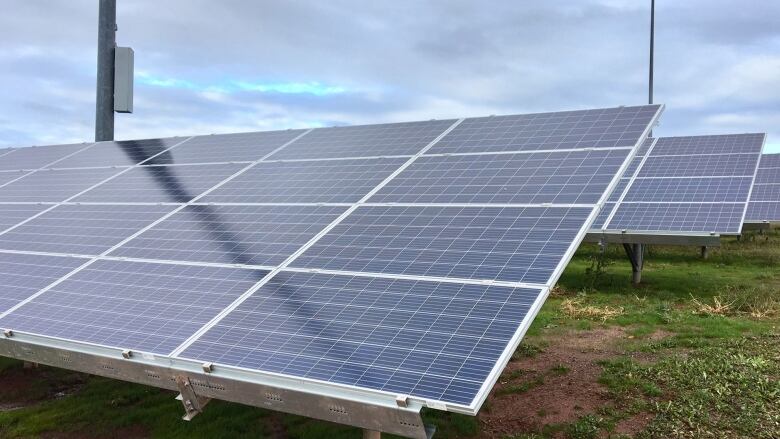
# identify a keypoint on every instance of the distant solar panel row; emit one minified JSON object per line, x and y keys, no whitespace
{"x":407,"y":258}
{"x":765,"y":199}
{"x":696,"y":184}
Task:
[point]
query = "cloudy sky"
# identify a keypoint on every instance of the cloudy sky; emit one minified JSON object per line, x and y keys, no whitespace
{"x":206,"y":66}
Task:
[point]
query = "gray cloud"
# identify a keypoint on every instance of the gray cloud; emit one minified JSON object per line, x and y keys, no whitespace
{"x":717,"y":63}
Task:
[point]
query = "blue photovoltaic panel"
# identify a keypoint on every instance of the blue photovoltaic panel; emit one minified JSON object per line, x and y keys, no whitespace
{"x":618,"y":191}
{"x":711,"y":175}
{"x":241,"y":147}
{"x":318,"y":181}
{"x":12,"y":214}
{"x":603,"y":128}
{"x":9,"y":176}
{"x":598,"y":223}
{"x":36,"y":157}
{"x":426,"y":339}
{"x":21,"y":276}
{"x":678,"y":217}
{"x":716,"y":144}
{"x":81,"y":229}
{"x":122,"y":153}
{"x":764,"y":202}
{"x":697,"y":189}
{"x":406,"y":138}
{"x":502,"y":243}
{"x":568,"y":177}
{"x":720,"y":165}
{"x":53,"y":186}
{"x":160,"y":184}
{"x":249,"y":235}
{"x":141,"y":306}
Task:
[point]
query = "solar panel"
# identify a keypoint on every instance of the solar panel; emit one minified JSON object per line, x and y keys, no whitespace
{"x":37,"y":157}
{"x":549,"y":177}
{"x":247,"y":235}
{"x":159,"y":184}
{"x":319,"y":181}
{"x":123,"y":153}
{"x":396,"y":259}
{"x":22,"y":275}
{"x":692,"y":184}
{"x":143,"y":306}
{"x":53,"y":186}
{"x":764,"y":202}
{"x":13,"y":214}
{"x":241,"y":147}
{"x":610,"y":127}
{"x":406,"y":139}
{"x":80,"y":229}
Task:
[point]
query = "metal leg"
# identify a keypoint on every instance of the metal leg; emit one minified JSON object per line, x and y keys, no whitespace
{"x":30,"y":365}
{"x":636,"y":255}
{"x":371,"y":434}
{"x":704,"y":252}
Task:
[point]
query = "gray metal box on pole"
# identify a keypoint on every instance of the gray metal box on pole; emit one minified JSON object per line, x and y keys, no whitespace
{"x":123,"y":80}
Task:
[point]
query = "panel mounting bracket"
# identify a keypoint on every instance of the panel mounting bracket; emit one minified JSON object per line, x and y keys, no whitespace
{"x":192,"y":402}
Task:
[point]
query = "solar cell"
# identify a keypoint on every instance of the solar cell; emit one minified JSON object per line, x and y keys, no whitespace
{"x":390,"y":139}
{"x":12,"y":214}
{"x":549,"y":177}
{"x":768,"y":176}
{"x":141,"y":306}
{"x":601,"y":218}
{"x":766,"y":192}
{"x":159,"y":184}
{"x":122,"y":153}
{"x":763,"y":211}
{"x":249,"y":235}
{"x":9,"y":176}
{"x":35,"y":157}
{"x":53,"y":186}
{"x":81,"y":229}
{"x":604,"y":128}
{"x":21,"y":276}
{"x":770,"y":161}
{"x":678,"y":217}
{"x":502,"y":243}
{"x":240,"y":147}
{"x":319,"y":181}
{"x":425,"y":339}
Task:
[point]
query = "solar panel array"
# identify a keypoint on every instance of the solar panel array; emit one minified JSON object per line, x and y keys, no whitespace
{"x":403,"y":258}
{"x":692,"y":184}
{"x":765,"y":200}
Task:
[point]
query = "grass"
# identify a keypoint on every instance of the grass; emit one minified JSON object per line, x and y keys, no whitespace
{"x":700,"y":357}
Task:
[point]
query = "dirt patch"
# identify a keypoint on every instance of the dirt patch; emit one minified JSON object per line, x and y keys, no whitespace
{"x":24,"y":386}
{"x":557,"y":386}
{"x":634,"y":424}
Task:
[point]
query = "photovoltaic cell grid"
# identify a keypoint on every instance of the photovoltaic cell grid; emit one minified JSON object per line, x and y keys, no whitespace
{"x":397,"y":314}
{"x":696,"y":184}
{"x":21,"y":276}
{"x":37,"y":157}
{"x":764,"y":202}
{"x":121,"y":153}
{"x":147,"y":307}
{"x":54,"y":186}
{"x":610,"y":127}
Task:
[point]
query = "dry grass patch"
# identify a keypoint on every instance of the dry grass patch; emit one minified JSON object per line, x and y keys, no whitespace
{"x":576,"y":309}
{"x":716,"y":308}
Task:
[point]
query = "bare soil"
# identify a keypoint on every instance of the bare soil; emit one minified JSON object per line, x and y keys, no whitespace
{"x":26,"y":386}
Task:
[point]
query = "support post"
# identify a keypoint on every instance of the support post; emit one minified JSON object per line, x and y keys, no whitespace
{"x":636,"y":255}
{"x":704,"y":252}
{"x":371,"y":434}
{"x":104,"y":103}
{"x":193,"y":403}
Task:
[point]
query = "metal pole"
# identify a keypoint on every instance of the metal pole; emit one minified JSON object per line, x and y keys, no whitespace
{"x":652,"y":47}
{"x":104,"y":107}
{"x":704,"y":252}
{"x":371,"y":434}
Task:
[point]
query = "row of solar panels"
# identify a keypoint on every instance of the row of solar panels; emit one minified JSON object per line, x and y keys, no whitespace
{"x":691,"y":185}
{"x":399,"y":259}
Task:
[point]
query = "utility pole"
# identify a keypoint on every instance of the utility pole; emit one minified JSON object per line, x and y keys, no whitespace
{"x":104,"y":108}
{"x":652,"y":47}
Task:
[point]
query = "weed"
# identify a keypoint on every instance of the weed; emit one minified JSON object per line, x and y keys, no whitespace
{"x":575,"y":309}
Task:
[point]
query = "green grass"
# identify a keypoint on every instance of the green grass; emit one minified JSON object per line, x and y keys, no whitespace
{"x":707,"y":375}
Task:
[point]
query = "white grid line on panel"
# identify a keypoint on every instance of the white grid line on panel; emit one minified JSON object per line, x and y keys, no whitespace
{"x":72,"y":197}
{"x":638,"y":169}
{"x":753,"y":182}
{"x":534,"y":310}
{"x":311,"y":242}
{"x":137,"y":233}
{"x":26,"y":172}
